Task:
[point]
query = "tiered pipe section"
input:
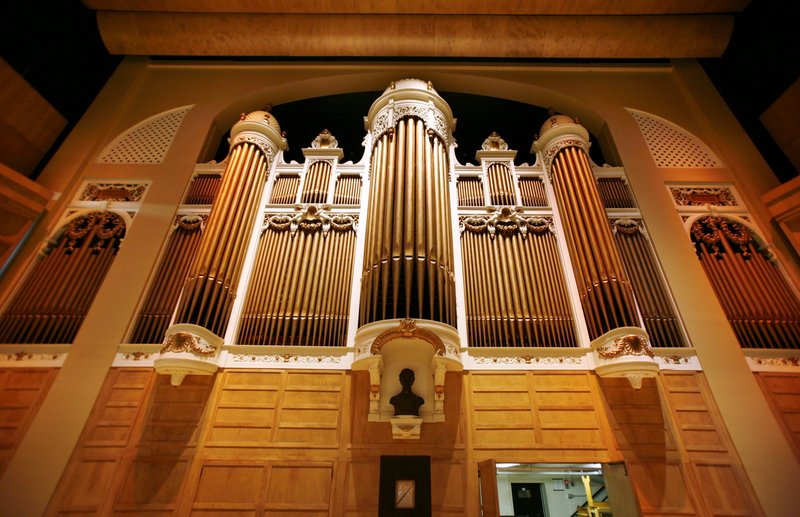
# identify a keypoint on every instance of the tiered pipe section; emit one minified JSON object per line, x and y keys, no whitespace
{"x":501,"y":185}
{"x":347,"y":190}
{"x":614,"y":193}
{"x":408,"y":262}
{"x":157,"y":309}
{"x":652,"y":294}
{"x":470,"y":191}
{"x":761,"y":307}
{"x":284,"y":191}
{"x":208,"y":293}
{"x":532,"y":192}
{"x":318,"y":177}
{"x":299,"y":293}
{"x":53,"y":300}
{"x":605,"y":292}
{"x":203,"y":189}
{"x":514,"y":286}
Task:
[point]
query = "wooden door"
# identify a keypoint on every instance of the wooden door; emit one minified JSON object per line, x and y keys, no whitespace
{"x":487,"y":473}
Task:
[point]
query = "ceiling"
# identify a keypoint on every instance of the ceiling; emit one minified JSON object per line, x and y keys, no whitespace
{"x":68,"y":50}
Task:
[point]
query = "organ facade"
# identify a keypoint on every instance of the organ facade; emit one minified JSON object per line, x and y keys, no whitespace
{"x":228,"y":335}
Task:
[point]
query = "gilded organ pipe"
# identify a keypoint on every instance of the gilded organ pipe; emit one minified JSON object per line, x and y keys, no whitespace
{"x":300,"y":289}
{"x":761,"y":307}
{"x":209,"y":290}
{"x":605,"y":291}
{"x":157,"y":309}
{"x":515,"y":292}
{"x":53,"y":301}
{"x":408,"y":265}
{"x":652,"y":295}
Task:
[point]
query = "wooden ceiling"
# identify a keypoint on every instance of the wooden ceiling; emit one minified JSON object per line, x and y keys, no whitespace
{"x":580,"y":29}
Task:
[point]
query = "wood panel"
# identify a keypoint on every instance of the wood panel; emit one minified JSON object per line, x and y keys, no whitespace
{"x":134,"y":453}
{"x":272,"y":408}
{"x":782,"y":391}
{"x":723,"y":486}
{"x":648,"y":446}
{"x":555,"y":411}
{"x":22,"y":391}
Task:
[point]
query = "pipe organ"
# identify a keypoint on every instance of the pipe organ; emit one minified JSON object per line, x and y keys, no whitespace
{"x":299,"y":292}
{"x":605,"y":292}
{"x":408,"y":255}
{"x":516,"y":288}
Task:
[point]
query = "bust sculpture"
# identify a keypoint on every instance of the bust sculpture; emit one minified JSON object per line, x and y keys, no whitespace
{"x":406,"y":402}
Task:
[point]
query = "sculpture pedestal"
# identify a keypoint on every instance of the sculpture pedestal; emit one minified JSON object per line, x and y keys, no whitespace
{"x":406,"y":427}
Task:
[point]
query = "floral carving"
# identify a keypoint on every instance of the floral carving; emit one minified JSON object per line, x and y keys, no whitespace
{"x":123,"y":192}
{"x":703,"y":196}
{"x":527,"y":359}
{"x":287,"y":358}
{"x":626,"y":345}
{"x":185,"y":342}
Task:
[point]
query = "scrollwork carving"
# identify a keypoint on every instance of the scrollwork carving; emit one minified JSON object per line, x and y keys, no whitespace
{"x":631,"y":344}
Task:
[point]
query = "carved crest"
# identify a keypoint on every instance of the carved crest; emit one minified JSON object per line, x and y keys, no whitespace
{"x":408,"y":329}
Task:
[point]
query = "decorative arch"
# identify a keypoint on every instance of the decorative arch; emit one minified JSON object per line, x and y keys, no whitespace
{"x":147,"y":142}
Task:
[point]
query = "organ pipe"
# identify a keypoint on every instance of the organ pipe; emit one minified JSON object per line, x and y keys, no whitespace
{"x":532,"y":192}
{"x":203,"y":189}
{"x":501,"y":184}
{"x":408,"y":262}
{"x":300,"y":289}
{"x":54,"y":299}
{"x":515,"y":291}
{"x":614,"y":193}
{"x":605,"y":291}
{"x":470,"y":191}
{"x":284,"y":191}
{"x":760,"y":305}
{"x":347,"y":190}
{"x":315,"y":189}
{"x":651,"y":291}
{"x":209,"y":290}
{"x":156,"y":312}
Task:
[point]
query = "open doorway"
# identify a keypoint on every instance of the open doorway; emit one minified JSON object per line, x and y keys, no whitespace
{"x":552,"y":490}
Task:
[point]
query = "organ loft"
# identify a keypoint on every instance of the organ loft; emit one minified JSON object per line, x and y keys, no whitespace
{"x":408,"y":330}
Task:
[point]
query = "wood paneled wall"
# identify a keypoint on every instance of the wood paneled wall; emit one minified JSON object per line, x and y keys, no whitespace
{"x":678,"y":453}
{"x":298,"y":443}
{"x":782,"y":391}
{"x":22,"y":391}
{"x":538,"y":417}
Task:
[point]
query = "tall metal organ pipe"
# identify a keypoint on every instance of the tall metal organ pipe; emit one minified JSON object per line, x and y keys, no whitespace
{"x":605,"y":291}
{"x":209,"y":290}
{"x":408,"y":262}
